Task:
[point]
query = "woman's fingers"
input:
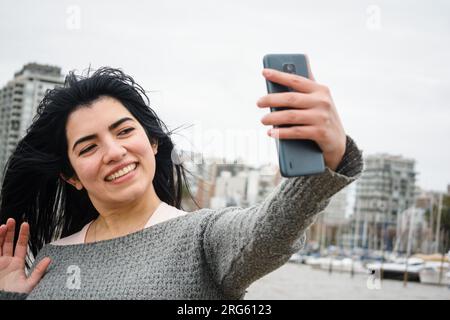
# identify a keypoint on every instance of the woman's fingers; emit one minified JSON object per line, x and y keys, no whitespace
{"x":39,"y":272}
{"x":22,"y":242}
{"x":2,"y":237}
{"x":287,"y":99}
{"x":311,"y":76}
{"x":9,"y":238}
{"x":293,"y":117}
{"x":296,"y":82}
{"x":295,"y":132}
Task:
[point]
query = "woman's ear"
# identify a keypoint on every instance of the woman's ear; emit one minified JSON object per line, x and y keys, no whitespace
{"x":155,"y":147}
{"x":73,"y":181}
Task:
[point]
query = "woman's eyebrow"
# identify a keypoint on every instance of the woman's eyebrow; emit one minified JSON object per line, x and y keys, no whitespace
{"x":93,"y":136}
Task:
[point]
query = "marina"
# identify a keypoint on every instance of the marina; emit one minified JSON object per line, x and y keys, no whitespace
{"x":296,"y":281}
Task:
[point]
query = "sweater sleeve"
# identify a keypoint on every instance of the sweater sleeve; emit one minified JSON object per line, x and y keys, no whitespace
{"x":243,"y":245}
{"x":7,"y":295}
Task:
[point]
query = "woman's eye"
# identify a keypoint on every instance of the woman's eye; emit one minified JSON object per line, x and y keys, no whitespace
{"x":87,"y":149}
{"x":126,"y":131}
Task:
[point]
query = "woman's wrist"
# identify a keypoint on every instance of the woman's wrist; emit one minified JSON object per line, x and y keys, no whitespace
{"x":332,"y":160}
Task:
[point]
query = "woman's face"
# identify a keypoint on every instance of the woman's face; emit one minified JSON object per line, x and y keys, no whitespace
{"x":102,"y":139}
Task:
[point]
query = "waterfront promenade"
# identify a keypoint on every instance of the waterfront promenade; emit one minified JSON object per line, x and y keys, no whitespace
{"x":296,"y":281}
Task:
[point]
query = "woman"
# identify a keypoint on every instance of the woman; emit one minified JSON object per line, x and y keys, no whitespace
{"x":93,"y":180}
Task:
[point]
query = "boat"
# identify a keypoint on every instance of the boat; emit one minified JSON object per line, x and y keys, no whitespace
{"x":336,"y":264}
{"x":396,"y":270}
{"x":435,"y":272}
{"x":297,"y":258}
{"x":314,"y":262}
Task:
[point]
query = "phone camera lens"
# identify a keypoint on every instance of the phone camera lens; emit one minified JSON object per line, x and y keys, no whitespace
{"x":289,"y":68}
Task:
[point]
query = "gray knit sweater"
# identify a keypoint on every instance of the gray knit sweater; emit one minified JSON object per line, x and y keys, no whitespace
{"x":206,"y":254}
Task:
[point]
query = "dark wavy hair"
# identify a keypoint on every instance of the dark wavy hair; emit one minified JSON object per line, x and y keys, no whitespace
{"x":32,"y":189}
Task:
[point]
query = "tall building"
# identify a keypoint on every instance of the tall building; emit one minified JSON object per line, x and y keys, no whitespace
{"x":331,"y":225}
{"x":335,"y":212}
{"x":384,"y":191}
{"x":19,"y":99}
{"x":206,"y":172}
{"x":229,"y":190}
{"x":245,"y":187}
{"x":217,"y":183}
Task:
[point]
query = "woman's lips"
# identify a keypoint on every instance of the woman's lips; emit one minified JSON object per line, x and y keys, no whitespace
{"x":126,"y":177}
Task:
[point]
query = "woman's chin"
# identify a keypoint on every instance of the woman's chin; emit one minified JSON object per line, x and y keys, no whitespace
{"x":120,"y":198}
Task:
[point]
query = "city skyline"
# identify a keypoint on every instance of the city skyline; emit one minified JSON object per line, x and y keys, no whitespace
{"x":381,"y":59}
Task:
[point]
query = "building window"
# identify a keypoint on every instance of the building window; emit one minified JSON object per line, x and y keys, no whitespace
{"x":15,"y":125}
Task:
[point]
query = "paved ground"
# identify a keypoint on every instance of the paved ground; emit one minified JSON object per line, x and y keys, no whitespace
{"x":295,"y":281}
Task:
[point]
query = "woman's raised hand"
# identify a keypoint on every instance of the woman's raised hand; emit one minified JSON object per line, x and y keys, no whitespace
{"x":12,"y":262}
{"x":313,"y":115}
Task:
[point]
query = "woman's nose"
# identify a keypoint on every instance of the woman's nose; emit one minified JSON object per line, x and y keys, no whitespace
{"x":114,"y":152}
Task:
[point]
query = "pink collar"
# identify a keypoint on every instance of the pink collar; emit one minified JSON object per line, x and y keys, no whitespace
{"x":162,"y":213}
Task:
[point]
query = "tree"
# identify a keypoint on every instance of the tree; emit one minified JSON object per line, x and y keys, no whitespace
{"x":445,"y":222}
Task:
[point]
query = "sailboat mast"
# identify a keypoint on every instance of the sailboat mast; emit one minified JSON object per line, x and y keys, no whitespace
{"x":438,"y":226}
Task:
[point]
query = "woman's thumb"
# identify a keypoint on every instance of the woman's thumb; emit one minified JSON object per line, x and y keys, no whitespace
{"x":39,"y":271}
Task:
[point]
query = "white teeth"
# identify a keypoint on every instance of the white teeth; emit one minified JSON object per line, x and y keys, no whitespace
{"x":121,"y":172}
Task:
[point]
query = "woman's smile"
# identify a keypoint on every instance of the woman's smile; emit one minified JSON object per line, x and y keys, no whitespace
{"x":123,"y":175}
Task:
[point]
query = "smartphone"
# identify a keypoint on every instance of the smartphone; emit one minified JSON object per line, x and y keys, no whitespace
{"x":295,"y":157}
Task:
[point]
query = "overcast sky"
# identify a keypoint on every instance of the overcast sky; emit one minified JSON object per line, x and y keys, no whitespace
{"x":386,"y":63}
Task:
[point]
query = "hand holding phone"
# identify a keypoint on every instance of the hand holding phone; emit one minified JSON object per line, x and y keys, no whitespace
{"x":309,"y":133}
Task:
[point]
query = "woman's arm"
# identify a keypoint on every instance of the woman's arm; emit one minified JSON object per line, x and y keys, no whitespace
{"x":243,"y":245}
